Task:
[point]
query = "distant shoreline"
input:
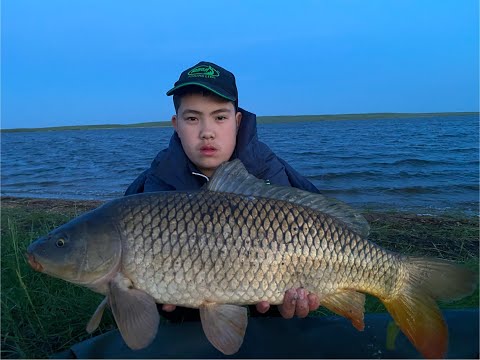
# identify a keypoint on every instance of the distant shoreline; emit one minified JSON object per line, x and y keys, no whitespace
{"x":260,"y":120}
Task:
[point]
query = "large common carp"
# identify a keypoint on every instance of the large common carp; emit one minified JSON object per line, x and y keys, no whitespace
{"x":240,"y":241}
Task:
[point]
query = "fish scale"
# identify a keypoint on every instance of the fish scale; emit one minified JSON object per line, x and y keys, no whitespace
{"x":226,"y":254}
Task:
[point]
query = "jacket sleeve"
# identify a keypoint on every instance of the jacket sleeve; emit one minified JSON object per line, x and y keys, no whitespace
{"x":297,"y":180}
{"x":279,"y":172}
{"x":147,"y":182}
{"x":137,"y":186}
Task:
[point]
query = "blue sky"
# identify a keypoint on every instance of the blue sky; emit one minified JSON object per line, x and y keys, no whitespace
{"x":111,"y":61}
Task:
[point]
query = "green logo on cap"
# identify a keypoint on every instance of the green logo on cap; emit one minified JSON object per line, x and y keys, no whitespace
{"x":204,"y":71}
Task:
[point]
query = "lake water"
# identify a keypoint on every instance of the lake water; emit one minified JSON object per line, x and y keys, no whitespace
{"x":426,"y":165}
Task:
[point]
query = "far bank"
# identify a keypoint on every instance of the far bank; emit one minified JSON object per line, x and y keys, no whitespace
{"x":260,"y":119}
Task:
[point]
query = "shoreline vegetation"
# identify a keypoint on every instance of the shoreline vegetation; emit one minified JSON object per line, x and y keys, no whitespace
{"x":42,"y":315}
{"x":260,"y":119}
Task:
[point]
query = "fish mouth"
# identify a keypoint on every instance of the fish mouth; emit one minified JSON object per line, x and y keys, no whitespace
{"x":34,"y":263}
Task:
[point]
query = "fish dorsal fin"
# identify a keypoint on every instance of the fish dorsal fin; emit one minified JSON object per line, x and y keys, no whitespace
{"x":232,"y":177}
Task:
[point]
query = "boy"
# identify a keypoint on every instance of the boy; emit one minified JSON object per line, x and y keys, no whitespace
{"x":210,"y":129}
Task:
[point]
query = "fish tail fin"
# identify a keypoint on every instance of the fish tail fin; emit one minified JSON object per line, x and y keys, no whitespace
{"x":414,"y":306}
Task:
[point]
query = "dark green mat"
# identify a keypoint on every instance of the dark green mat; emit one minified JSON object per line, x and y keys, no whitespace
{"x":315,"y":337}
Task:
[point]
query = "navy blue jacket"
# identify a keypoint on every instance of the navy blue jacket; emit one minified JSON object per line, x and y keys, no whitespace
{"x":172,"y":170}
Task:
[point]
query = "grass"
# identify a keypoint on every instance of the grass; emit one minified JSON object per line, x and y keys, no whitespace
{"x":42,"y":315}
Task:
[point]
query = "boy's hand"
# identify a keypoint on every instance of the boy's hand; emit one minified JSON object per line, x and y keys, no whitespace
{"x":168,"y":307}
{"x":295,"y":302}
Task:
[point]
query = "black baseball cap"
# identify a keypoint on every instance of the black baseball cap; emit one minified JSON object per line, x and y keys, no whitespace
{"x":211,"y":77}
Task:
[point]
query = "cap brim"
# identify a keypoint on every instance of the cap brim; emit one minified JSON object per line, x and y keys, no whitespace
{"x":210,"y":88}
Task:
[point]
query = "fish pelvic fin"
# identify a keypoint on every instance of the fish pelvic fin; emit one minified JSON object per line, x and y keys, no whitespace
{"x":414,"y":308}
{"x":349,"y":304}
{"x":135,"y":313}
{"x":224,"y":325}
{"x":94,"y":321}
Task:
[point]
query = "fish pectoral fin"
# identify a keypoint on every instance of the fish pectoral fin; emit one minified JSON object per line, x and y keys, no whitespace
{"x":97,"y":316}
{"x":224,"y":325}
{"x":347,"y":303}
{"x":135,"y":313}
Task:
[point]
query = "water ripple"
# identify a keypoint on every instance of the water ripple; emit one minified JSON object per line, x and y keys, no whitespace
{"x":404,"y":163}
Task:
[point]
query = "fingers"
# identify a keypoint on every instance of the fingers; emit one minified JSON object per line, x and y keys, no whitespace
{"x":168,"y":307}
{"x":302,"y":309}
{"x":313,"y":302}
{"x":262,"y":307}
{"x":287,"y":309}
{"x":298,"y":302}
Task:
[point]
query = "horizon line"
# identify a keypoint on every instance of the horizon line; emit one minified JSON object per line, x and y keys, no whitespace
{"x":260,"y":119}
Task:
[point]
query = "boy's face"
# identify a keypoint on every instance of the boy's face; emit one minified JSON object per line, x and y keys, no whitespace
{"x":207,"y":127}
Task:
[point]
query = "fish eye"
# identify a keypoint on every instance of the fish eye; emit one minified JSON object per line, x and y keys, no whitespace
{"x":60,"y":242}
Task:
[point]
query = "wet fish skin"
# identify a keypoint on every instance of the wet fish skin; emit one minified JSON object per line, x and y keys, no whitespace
{"x":204,"y":246}
{"x":241,"y":242}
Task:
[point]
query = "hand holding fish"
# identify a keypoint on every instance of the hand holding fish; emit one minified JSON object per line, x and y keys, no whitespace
{"x":168,"y":307}
{"x":295,"y":302}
